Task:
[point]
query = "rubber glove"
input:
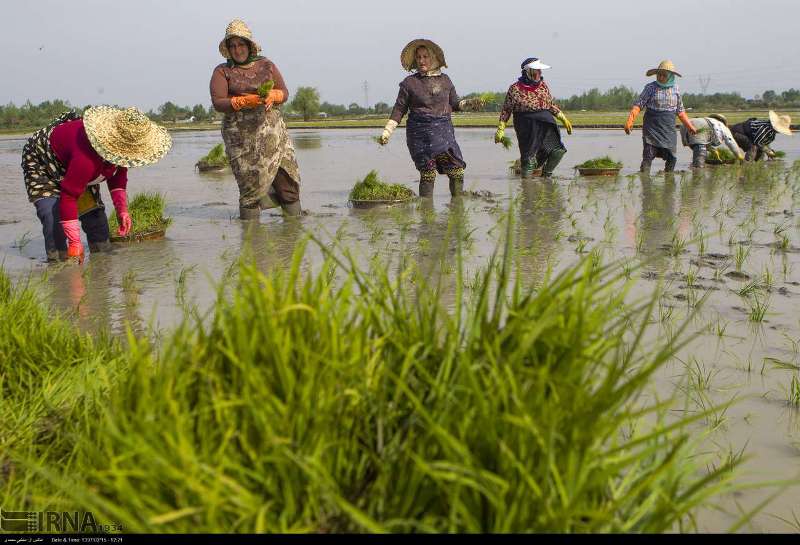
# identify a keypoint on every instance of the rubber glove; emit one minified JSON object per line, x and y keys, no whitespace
{"x":631,"y":118}
{"x":564,"y":121}
{"x":246,"y":101}
{"x":500,"y":132}
{"x":276,"y":96}
{"x":687,"y":123}
{"x":391,"y":125}
{"x":716,"y":153}
{"x":769,"y":152}
{"x":72,"y":230}
{"x":120,"y":199}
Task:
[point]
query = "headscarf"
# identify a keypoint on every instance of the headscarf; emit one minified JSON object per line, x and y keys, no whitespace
{"x":435,"y":63}
{"x":250,"y":57}
{"x":525,"y":79}
{"x":670,"y":82}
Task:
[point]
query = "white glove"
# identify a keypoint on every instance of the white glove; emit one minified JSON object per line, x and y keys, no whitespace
{"x":391,"y":125}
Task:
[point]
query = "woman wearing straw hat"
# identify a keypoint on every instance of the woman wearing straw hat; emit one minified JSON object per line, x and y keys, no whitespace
{"x":256,"y":140}
{"x":429,"y":97}
{"x":64,"y":163}
{"x":755,"y":136}
{"x":661,"y":101}
{"x":535,"y":113}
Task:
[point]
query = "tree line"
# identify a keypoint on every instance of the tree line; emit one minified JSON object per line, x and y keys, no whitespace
{"x":306,"y":104}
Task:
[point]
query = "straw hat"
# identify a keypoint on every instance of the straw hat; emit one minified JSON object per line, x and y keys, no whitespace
{"x":125,"y":138}
{"x":719,"y":117}
{"x":664,"y":65}
{"x":781,"y":123}
{"x":407,"y":55}
{"x":239,"y":29}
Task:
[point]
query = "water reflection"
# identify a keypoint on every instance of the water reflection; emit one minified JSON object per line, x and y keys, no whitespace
{"x":541,"y":209}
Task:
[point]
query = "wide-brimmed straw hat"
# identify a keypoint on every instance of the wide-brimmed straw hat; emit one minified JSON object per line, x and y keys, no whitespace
{"x":125,"y":138}
{"x":667,"y":66}
{"x":239,"y":29}
{"x":719,"y":117}
{"x":407,"y":55}
{"x":781,"y":123}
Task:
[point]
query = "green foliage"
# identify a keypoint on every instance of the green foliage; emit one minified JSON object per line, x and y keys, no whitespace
{"x":307,"y":403}
{"x":725,"y":157}
{"x":215,"y":158}
{"x":265,"y":88}
{"x":372,"y":188}
{"x":600,"y":162}
{"x":306,"y":102}
{"x":147,"y":214}
{"x":506,"y":142}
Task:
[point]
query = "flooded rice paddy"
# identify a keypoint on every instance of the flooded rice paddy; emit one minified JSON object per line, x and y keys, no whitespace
{"x":722,"y":245}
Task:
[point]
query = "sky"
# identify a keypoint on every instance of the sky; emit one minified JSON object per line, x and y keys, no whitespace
{"x":146,"y":52}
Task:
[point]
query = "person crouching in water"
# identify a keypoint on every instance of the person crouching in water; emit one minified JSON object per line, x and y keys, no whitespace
{"x":64,"y":163}
{"x":661,"y":100}
{"x":429,"y":97}
{"x":535,"y":113}
{"x":712,"y":131}
{"x":755,"y":135}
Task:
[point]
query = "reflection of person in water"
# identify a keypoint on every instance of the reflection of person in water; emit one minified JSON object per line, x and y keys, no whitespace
{"x":540,"y":213}
{"x":655,"y":226}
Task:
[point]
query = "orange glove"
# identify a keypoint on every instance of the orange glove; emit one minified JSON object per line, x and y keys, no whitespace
{"x":631,"y":118}
{"x":276,"y":96}
{"x":245,"y":101}
{"x":687,"y":123}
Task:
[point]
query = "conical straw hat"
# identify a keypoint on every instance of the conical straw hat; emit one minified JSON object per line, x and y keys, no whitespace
{"x":664,"y":65}
{"x":125,"y":138}
{"x":407,"y":55}
{"x":239,"y":29}
{"x":781,"y":123}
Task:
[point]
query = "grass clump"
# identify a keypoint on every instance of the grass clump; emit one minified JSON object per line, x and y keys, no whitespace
{"x":372,"y":188}
{"x":147,"y":214}
{"x":600,"y":162}
{"x":215,"y":159}
{"x":721,"y":156}
{"x":348,"y":400}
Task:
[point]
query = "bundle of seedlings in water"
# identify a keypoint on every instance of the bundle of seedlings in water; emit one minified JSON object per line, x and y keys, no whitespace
{"x":265,"y":88}
{"x":215,"y":160}
{"x":372,"y":190}
{"x":599,"y":166}
{"x":720,"y":156}
{"x":147,"y":216}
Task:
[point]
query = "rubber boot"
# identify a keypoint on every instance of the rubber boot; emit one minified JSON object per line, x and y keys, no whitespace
{"x":645,"y":166}
{"x":456,"y":186}
{"x":293,"y":209}
{"x":552,"y":162}
{"x":249,"y":213}
{"x":699,"y":154}
{"x":54,"y":255}
{"x":669,"y":164}
{"x":98,"y":247}
{"x":527,"y":168}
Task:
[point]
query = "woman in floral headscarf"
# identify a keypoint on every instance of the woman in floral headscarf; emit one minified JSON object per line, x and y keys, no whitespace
{"x":256,"y":140}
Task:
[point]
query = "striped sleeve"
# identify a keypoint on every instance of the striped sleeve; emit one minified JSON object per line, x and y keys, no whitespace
{"x":762,"y":132}
{"x":644,"y":98}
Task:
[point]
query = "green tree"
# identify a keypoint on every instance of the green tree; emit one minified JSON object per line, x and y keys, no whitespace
{"x":199,"y":112}
{"x":306,"y":101}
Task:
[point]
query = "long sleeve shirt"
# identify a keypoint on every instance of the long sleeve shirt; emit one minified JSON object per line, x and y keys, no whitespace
{"x":724,"y":135}
{"x":527,"y":98}
{"x":660,"y":99}
{"x":429,"y":95}
{"x":83,"y":166}
{"x":230,"y":81}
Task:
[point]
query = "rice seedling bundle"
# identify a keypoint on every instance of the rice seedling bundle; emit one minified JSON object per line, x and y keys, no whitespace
{"x":147,"y":214}
{"x":372,"y":188}
{"x":215,"y":159}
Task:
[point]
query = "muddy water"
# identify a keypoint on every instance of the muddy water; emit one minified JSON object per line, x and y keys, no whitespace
{"x":741,"y":215}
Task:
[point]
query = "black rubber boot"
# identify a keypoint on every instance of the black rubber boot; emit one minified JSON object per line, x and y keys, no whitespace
{"x":552,"y":161}
{"x":98,"y":247}
{"x":53,"y":255}
{"x":669,"y":164}
{"x":527,"y":167}
{"x":249,"y":213}
{"x":426,"y":180}
{"x":456,"y":186}
{"x":645,"y":166}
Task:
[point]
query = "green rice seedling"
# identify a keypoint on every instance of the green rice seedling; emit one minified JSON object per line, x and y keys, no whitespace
{"x":506,"y":142}
{"x":767,"y":279}
{"x":265,"y":88}
{"x":214,"y":160}
{"x":758,"y":309}
{"x":721,"y":156}
{"x":22,"y":241}
{"x":740,"y":255}
{"x":372,"y":188}
{"x":355,"y":402}
{"x":677,"y":245}
{"x":147,"y":214}
{"x":794,"y":392}
{"x":600,"y":162}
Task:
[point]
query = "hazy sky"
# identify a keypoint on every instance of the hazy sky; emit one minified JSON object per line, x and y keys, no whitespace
{"x":146,"y":52}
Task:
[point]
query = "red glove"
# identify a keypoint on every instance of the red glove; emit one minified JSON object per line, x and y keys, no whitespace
{"x":72,"y":230}
{"x":276,"y":96}
{"x":246,"y":101}
{"x":120,"y":199}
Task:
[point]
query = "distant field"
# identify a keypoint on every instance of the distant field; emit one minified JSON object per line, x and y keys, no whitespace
{"x":580,"y":120}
